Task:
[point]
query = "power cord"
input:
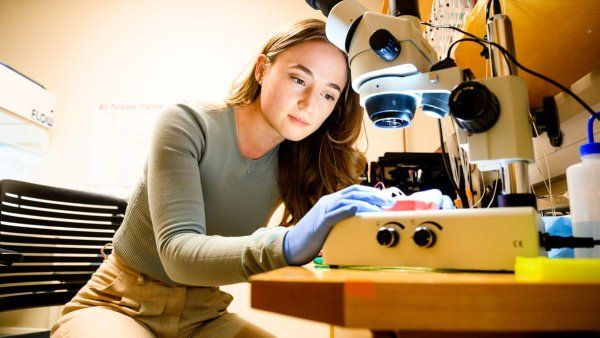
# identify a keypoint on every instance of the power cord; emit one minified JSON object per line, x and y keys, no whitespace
{"x":451,"y":27}
{"x":496,"y":183}
{"x":550,"y":242}
{"x":448,"y":55}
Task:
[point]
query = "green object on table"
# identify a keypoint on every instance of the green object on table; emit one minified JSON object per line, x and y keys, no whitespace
{"x":318,"y":262}
{"x":557,"y":269}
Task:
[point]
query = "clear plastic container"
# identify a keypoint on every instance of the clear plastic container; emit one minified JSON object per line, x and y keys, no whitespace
{"x":583,"y":181}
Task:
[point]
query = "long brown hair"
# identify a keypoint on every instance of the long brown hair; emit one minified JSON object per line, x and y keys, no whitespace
{"x":325,"y":161}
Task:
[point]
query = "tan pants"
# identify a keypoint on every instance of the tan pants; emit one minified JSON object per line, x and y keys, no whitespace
{"x":119,"y":302}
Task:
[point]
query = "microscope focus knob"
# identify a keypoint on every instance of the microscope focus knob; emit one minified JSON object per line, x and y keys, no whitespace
{"x":474,"y":107}
{"x":424,"y":237}
{"x":385,"y":45}
{"x":388,"y":236}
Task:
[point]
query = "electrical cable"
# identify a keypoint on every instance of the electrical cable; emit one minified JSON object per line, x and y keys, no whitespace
{"x":450,"y":13}
{"x":550,"y":242}
{"x":481,"y":190}
{"x":453,"y":152}
{"x":451,"y":27}
{"x":477,"y":39}
{"x":448,"y":53}
{"x":495,"y":188}
{"x":463,"y":198}
{"x":464,"y":162}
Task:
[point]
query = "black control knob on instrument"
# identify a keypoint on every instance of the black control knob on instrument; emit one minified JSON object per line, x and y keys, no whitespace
{"x":388,"y":236}
{"x":424,"y":237}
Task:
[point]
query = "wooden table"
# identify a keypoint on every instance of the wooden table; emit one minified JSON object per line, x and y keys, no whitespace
{"x":424,"y":303}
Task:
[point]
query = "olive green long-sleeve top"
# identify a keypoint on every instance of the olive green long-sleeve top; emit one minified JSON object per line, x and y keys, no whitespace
{"x":198,"y":214}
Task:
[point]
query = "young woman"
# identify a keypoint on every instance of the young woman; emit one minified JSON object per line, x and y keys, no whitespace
{"x":212,"y":180}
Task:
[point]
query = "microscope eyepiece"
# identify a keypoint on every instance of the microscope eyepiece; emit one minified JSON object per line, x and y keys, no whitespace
{"x":324,"y":6}
{"x":385,"y":45}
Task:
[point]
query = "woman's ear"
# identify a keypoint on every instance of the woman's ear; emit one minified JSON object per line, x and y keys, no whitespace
{"x":261,"y":66}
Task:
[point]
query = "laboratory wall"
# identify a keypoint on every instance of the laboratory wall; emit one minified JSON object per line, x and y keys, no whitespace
{"x":141,"y":52}
{"x":136,"y":51}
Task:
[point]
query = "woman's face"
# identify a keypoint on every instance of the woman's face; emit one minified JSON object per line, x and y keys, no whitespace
{"x":301,"y":87}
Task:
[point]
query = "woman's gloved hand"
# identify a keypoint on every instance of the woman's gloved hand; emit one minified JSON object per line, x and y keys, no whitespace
{"x":434,"y":196}
{"x":422,"y":200}
{"x":303,"y":242}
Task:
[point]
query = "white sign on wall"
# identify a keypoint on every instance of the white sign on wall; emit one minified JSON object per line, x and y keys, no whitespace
{"x":26,"y":98}
{"x":121,"y":134}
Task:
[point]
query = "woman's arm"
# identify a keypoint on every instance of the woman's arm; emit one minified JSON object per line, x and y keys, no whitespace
{"x":176,"y":205}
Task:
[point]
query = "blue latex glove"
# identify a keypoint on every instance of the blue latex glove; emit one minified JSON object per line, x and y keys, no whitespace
{"x":303,"y":242}
{"x":434,"y":196}
{"x":559,"y":226}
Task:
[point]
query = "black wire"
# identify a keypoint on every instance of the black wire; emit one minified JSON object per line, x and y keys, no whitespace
{"x":463,"y":197}
{"x":451,"y":27}
{"x":550,"y":242}
{"x":461,"y":40}
{"x":527,"y":70}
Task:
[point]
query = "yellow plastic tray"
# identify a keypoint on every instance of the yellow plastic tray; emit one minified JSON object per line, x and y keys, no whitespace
{"x":557,"y":269}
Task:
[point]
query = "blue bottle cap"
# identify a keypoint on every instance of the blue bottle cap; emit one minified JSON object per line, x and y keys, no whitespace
{"x":591,"y":147}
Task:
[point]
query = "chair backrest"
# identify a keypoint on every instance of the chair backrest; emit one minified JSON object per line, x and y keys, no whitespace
{"x":60,"y":233}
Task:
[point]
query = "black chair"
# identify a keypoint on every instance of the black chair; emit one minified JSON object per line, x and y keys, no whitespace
{"x":50,"y":241}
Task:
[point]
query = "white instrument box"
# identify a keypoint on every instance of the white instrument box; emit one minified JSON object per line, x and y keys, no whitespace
{"x":464,"y":239}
